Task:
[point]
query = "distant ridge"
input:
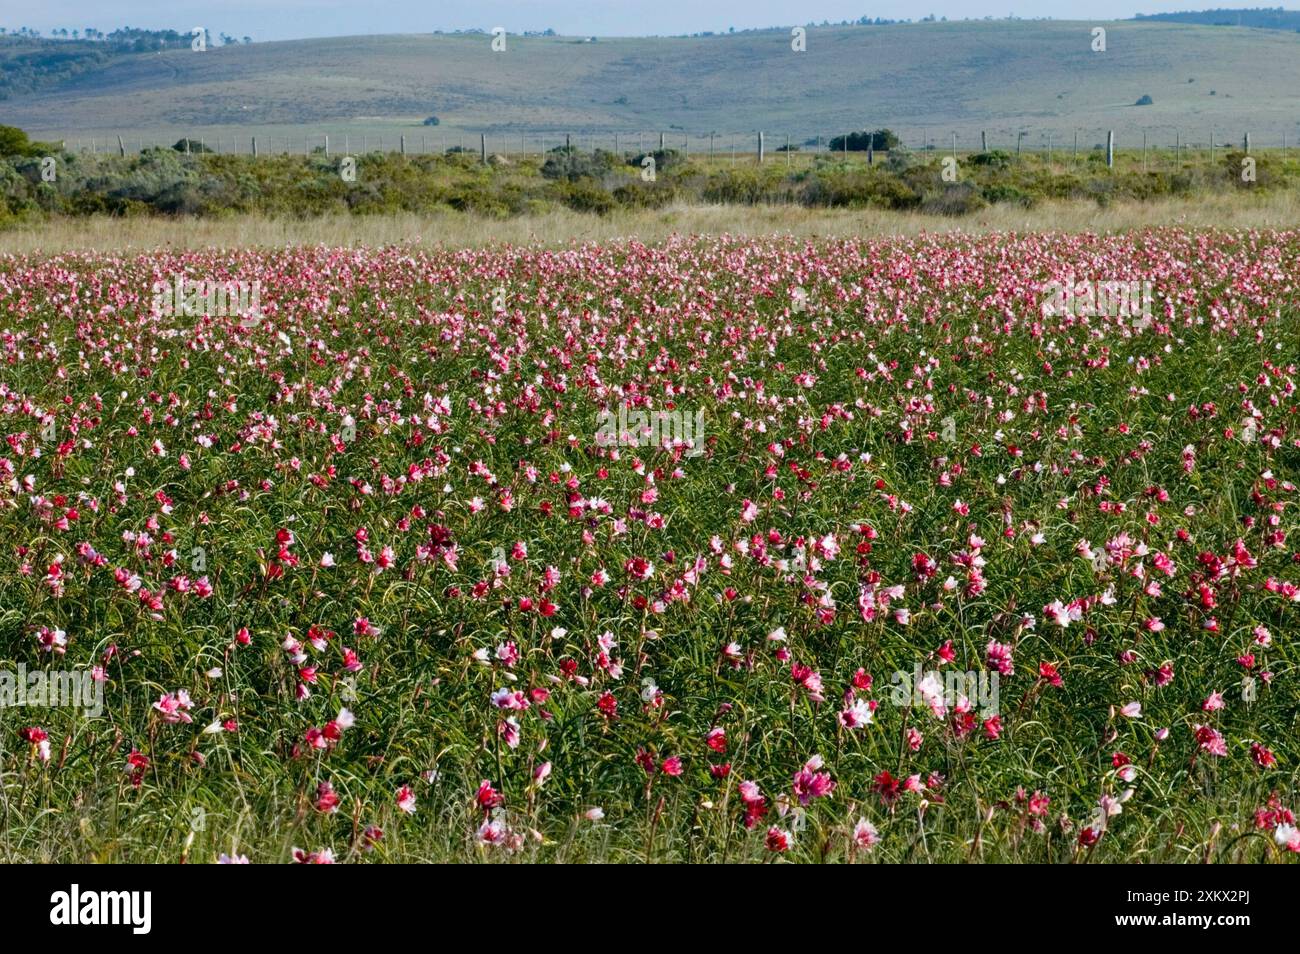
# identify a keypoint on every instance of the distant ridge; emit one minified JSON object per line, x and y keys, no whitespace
{"x":926,"y":79}
{"x":1263,"y":18}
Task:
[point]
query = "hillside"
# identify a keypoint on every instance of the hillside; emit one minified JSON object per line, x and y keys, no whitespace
{"x":923,"y":79}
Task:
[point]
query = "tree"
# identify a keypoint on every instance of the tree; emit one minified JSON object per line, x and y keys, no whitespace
{"x":14,"y":142}
{"x":880,"y":140}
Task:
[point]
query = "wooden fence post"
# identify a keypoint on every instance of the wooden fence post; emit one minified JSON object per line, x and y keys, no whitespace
{"x":1110,"y":149}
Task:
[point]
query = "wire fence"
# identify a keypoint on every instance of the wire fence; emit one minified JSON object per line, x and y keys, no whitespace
{"x":719,"y":147}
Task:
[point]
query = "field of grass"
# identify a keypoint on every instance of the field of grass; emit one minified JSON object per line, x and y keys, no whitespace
{"x":365,"y":574}
{"x":923,"y":79}
{"x":563,"y":226}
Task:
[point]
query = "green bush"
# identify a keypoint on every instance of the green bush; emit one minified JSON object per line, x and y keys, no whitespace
{"x":586,"y":195}
{"x":993,"y":159}
{"x":958,"y":198}
{"x":573,"y":165}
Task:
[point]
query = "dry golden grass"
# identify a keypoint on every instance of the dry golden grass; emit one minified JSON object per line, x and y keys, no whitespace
{"x":458,"y":230}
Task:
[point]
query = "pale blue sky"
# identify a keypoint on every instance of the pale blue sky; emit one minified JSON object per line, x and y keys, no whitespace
{"x":287,"y":19}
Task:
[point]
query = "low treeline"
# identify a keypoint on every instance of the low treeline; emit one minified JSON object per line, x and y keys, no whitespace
{"x":40,"y":181}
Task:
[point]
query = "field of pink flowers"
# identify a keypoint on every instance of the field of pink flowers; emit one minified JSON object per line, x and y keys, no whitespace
{"x":358,"y":575}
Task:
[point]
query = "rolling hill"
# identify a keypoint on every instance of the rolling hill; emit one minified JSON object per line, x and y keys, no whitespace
{"x":926,"y":80}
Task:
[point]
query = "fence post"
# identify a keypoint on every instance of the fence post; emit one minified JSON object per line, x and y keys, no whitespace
{"x":1110,"y":149}
{"x":1246,"y":144}
{"x":402,"y":145}
{"x":482,"y":147}
{"x":787,"y":150}
{"x":984,"y":141}
{"x":661,"y":142}
{"x":121,"y":149}
{"x":871,"y":147}
{"x":760,"y":147}
{"x":327,"y":145}
{"x":254,"y":147}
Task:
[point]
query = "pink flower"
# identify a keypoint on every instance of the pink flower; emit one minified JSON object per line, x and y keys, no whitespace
{"x":1210,"y":740}
{"x":778,"y":840}
{"x":406,"y":799}
{"x":865,"y":835}
{"x":175,"y":706}
{"x":809,"y":783}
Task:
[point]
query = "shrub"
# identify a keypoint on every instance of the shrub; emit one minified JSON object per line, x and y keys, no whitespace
{"x":585,"y":195}
{"x":960,"y":198}
{"x":573,"y":165}
{"x":993,"y":159}
{"x":1006,"y":194}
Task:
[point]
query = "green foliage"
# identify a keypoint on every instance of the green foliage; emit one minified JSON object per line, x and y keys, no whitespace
{"x":167,"y":181}
{"x":994,"y":159}
{"x":879,"y":140}
{"x":574,"y":165}
{"x":14,"y":142}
